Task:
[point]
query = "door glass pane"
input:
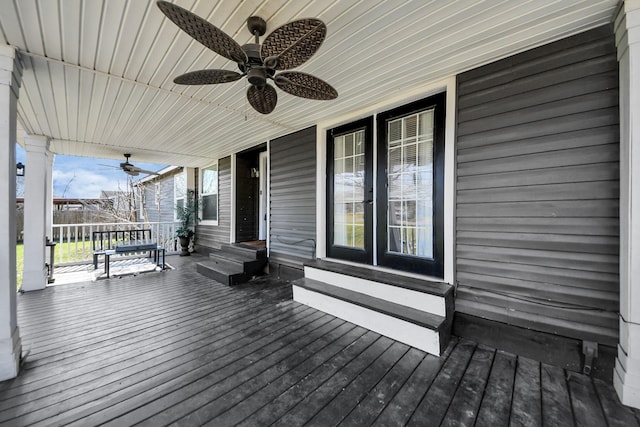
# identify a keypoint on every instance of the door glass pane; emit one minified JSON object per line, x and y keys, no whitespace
{"x":348,"y":193}
{"x":410,"y":185}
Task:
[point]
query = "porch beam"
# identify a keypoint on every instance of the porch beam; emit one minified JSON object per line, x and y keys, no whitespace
{"x":37,"y":180}
{"x":10,"y":343}
{"x":627,"y":370}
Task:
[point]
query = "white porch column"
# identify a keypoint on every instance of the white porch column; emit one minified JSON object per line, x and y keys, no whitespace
{"x":191,"y":178}
{"x":10,"y":344}
{"x":36,"y":183}
{"x":49,"y":197}
{"x":626,"y":377}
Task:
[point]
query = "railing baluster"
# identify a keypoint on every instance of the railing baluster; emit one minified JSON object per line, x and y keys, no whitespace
{"x":73,"y":241}
{"x":75,"y":254}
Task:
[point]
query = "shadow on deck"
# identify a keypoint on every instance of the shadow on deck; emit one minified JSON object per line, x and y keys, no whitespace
{"x":174,"y":346}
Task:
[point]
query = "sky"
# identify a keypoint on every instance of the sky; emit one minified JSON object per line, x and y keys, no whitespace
{"x":83,"y":177}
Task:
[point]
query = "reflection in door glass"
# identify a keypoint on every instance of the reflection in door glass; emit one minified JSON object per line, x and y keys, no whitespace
{"x":348,"y":195}
{"x":410,"y":185}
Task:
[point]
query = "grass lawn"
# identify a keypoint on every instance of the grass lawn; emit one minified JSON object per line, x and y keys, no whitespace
{"x":19,"y":262}
{"x":65,"y":252}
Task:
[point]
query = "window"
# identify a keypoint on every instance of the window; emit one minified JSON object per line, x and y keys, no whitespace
{"x":348,"y":193}
{"x":209,"y":193}
{"x":179,"y":191}
{"x":157,"y":193}
{"x":410,"y":184}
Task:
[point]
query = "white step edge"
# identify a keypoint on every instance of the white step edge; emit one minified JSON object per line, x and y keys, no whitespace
{"x":400,"y":330}
{"x":428,"y":303}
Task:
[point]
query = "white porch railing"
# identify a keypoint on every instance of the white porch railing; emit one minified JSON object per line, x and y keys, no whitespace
{"x":74,"y":245}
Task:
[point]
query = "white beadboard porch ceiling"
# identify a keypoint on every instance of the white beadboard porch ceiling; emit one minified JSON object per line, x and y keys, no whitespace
{"x":98,"y":76}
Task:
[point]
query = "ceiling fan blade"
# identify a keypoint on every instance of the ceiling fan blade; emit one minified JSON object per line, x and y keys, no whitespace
{"x":138,"y":170}
{"x":305,"y":85}
{"x":207,"y":77}
{"x":293,"y":43}
{"x":204,"y":32}
{"x":130,"y":168}
{"x":108,"y":166}
{"x":263,"y":100}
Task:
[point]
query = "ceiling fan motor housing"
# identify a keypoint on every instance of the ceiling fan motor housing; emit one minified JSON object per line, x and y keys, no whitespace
{"x":255,"y":69}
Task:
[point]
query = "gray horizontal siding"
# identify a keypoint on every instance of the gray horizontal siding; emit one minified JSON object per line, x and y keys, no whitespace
{"x":159,"y":207}
{"x":213,"y":236}
{"x":537,"y":187}
{"x":292,"y":188}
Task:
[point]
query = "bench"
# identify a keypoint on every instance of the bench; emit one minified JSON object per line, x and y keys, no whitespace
{"x":125,"y":242}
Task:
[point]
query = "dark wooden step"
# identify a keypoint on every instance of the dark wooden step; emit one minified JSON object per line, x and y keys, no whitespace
{"x":249,"y":264}
{"x":391,"y":279}
{"x":238,"y":248}
{"x":222,"y":273}
{"x":233,"y":264}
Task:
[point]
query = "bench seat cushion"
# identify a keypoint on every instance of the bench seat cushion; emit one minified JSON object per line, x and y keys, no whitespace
{"x":136,"y":247}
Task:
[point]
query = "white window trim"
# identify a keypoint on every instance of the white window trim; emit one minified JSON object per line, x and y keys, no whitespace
{"x":175,"y":195}
{"x":201,"y":194}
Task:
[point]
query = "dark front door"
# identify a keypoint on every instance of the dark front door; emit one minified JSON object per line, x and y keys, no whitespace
{"x":410,"y":187}
{"x":350,"y":192}
{"x":248,"y":194}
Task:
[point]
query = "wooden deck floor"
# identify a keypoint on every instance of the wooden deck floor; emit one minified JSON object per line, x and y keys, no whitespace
{"x":176,"y":348}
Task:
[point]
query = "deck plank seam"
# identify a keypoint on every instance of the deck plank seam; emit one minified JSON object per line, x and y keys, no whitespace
{"x":374,"y":422}
{"x":440,"y":371}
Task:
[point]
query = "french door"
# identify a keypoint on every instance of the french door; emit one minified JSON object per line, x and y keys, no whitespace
{"x":350,"y":192}
{"x":410,"y":187}
{"x":409,"y":195}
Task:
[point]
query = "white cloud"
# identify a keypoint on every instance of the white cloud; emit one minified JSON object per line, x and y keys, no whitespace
{"x":85,"y":183}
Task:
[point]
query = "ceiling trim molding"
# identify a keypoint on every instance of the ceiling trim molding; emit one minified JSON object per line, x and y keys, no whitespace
{"x":119,"y":149}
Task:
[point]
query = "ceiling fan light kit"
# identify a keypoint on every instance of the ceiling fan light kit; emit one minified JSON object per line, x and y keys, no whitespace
{"x":287,"y":47}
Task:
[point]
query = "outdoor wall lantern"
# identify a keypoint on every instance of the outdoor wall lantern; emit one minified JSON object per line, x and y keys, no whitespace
{"x":20,"y":169}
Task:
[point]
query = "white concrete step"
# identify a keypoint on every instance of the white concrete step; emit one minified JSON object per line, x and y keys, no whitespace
{"x":431,"y":297}
{"x":426,"y":331}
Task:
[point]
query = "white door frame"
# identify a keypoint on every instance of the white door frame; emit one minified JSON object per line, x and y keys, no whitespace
{"x":447,"y":85}
{"x":264,"y":196}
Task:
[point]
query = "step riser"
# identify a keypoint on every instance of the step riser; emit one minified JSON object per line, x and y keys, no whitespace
{"x":249,"y":267}
{"x":223,"y":278}
{"x":409,"y":333}
{"x":418,"y":300}
{"x":250,"y":253}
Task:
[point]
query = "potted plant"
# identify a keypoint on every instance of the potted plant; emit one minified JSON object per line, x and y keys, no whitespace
{"x":187,"y":215}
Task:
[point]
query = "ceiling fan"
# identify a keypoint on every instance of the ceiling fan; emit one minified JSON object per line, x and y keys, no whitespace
{"x":286,"y":47}
{"x":131,"y":169}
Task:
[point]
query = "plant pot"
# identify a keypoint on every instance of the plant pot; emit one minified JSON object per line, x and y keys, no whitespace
{"x":184,"y":246}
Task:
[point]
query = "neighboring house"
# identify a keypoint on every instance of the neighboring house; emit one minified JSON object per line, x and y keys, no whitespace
{"x":158,"y":195}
